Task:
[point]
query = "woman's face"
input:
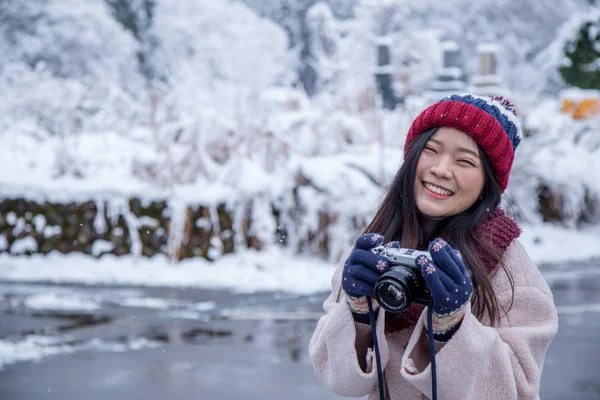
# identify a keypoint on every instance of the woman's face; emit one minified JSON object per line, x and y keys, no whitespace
{"x":450,"y":174}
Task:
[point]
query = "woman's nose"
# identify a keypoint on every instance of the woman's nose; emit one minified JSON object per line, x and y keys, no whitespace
{"x":443,"y":168}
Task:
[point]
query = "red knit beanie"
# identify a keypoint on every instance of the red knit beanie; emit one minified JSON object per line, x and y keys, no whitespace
{"x":491,"y":121}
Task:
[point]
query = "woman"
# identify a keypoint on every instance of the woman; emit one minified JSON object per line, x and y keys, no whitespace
{"x":493,"y":315}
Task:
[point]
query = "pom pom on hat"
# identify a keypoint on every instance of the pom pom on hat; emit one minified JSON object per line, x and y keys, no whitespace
{"x":491,"y":121}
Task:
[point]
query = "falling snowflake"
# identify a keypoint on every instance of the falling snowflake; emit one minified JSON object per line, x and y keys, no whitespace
{"x":438,"y":245}
{"x":422,"y":260}
{"x":430,"y":269}
{"x":381,"y":265}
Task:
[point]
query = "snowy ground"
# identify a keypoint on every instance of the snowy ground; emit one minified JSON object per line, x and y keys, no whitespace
{"x":70,"y":342}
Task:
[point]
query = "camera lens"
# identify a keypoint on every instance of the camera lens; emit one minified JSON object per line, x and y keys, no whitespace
{"x":391,"y":296}
{"x":394,"y":294}
{"x":396,"y":289}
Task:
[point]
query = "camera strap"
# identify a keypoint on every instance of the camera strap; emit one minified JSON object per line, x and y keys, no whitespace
{"x":376,"y":343}
{"x":431,"y":350}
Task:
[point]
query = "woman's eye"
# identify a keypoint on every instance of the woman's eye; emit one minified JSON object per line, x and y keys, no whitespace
{"x":429,"y":148}
{"x":468,"y":162}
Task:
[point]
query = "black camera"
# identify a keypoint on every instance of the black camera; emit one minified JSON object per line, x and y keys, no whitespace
{"x":403,"y":283}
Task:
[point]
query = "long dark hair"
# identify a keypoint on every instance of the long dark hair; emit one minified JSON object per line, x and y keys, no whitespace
{"x":399,"y":219}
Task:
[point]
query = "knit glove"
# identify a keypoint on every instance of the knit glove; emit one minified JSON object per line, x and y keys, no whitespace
{"x":448,"y":281}
{"x":361,"y":271}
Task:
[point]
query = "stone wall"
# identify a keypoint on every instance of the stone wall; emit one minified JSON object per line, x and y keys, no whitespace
{"x":146,"y":228}
{"x":116,"y":227}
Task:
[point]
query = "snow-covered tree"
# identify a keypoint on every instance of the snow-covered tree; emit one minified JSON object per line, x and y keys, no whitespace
{"x":76,"y":70}
{"x":323,"y":45}
{"x":292,"y":15}
{"x":583,"y":55}
{"x":215,"y":60}
{"x":136,"y":16}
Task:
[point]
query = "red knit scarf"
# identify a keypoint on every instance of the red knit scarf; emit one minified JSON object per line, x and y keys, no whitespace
{"x":499,"y":230}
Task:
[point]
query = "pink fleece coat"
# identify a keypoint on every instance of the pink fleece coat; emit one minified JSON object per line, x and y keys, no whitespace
{"x":478,"y":362}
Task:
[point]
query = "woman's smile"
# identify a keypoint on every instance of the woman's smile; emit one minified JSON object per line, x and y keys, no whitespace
{"x":437,"y":191}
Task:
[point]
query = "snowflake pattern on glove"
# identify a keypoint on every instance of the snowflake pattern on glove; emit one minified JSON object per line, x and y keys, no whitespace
{"x":376,"y":237}
{"x":438,"y":245}
{"x":448,"y":282}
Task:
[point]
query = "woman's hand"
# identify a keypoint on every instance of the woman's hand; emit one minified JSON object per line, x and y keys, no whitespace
{"x":361,"y":271}
{"x":448,"y":281}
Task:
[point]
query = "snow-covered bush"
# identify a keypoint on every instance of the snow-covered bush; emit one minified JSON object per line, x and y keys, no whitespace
{"x":555,"y":166}
{"x":66,"y":69}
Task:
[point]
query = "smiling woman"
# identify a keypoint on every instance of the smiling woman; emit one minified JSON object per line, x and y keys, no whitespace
{"x":489,"y":308}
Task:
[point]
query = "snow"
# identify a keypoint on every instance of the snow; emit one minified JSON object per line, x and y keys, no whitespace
{"x":50,"y":231}
{"x":486,"y":80}
{"x":62,"y":302}
{"x":450,"y":46}
{"x":488,"y":48}
{"x":147,"y":302}
{"x":11,"y":217}
{"x":272,"y":270}
{"x":383,"y":40}
{"x":39,"y":222}
{"x":451,"y":72}
{"x":577,"y":94}
{"x":548,"y":244}
{"x":35,"y":348}
{"x":246,"y":271}
{"x":165,"y":304}
{"x":101,"y":246}
{"x":20,"y":246}
{"x":225,"y":126}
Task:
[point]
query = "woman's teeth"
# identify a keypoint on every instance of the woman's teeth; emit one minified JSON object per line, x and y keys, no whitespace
{"x":438,"y":190}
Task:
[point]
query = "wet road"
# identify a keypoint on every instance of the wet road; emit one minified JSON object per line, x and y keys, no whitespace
{"x":158,"y":343}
